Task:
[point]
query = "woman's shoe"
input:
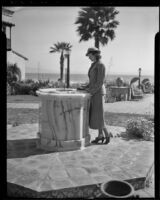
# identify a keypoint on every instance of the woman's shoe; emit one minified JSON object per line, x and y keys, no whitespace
{"x":97,"y":139}
{"x":107,"y":140}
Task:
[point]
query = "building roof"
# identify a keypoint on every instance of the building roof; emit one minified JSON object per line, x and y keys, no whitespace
{"x":7,"y":16}
{"x":7,"y":11}
{"x":18,"y":54}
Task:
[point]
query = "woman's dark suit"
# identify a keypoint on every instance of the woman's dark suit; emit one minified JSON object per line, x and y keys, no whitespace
{"x":96,"y":87}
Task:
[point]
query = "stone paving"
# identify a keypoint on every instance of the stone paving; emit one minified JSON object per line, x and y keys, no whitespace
{"x":123,"y":158}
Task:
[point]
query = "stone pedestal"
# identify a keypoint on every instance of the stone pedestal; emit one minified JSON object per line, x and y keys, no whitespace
{"x":63,"y":121}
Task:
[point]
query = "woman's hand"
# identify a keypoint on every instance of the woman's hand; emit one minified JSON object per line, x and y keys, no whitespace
{"x":80,"y":88}
{"x":87,"y":90}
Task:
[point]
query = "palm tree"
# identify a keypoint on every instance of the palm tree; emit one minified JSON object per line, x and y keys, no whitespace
{"x":98,"y":23}
{"x":13,"y":73}
{"x":61,"y":47}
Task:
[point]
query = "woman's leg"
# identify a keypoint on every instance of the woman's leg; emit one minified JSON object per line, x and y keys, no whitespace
{"x":107,"y":135}
{"x":106,"y":131}
{"x":100,"y":137}
{"x":105,"y":127}
{"x":100,"y":133}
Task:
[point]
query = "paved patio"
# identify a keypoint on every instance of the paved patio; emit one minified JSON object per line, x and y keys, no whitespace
{"x":33,"y":172}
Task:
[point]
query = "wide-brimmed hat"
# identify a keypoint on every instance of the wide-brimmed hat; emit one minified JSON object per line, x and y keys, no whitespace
{"x":92,"y":50}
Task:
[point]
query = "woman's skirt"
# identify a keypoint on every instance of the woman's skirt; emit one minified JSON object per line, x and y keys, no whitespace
{"x":96,"y":112}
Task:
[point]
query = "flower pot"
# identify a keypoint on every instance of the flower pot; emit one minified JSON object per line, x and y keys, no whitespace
{"x":117,"y":189}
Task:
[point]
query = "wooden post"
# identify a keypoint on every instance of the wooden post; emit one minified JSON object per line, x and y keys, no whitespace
{"x":139,"y":78}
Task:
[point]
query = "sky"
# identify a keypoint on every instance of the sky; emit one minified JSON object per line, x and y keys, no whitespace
{"x":38,"y":28}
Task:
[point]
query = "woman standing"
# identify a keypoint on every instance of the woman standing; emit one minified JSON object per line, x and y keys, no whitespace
{"x":97,"y":89}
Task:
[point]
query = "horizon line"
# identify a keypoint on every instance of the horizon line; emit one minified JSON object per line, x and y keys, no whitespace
{"x":86,"y":74}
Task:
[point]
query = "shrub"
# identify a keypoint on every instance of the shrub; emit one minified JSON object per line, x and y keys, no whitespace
{"x":119,"y":81}
{"x":114,"y":83}
{"x":141,"y":128}
{"x":8,"y":89}
{"x":110,"y":83}
{"x":26,"y":88}
{"x":29,"y":81}
{"x":13,"y":73}
{"x":29,"y":87}
{"x":126,"y":84}
{"x":22,"y":88}
{"x":34,"y":87}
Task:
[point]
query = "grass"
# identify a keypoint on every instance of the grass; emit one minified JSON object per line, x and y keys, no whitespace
{"x":22,"y":115}
{"x":29,"y":116}
{"x":120,"y":119}
{"x":22,"y":99}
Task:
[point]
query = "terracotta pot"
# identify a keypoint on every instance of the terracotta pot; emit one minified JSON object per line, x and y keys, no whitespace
{"x":117,"y":189}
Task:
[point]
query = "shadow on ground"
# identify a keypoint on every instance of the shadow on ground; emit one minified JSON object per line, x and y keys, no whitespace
{"x":128,"y":137}
{"x":23,"y":148}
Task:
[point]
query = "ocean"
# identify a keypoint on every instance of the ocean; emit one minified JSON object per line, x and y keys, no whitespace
{"x":81,"y":78}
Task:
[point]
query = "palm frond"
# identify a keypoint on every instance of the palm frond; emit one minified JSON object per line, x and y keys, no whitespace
{"x":60,"y":47}
{"x":110,"y":34}
{"x":104,"y":40}
{"x":97,"y":21}
{"x":86,"y":36}
{"x":14,"y":70}
{"x":111,"y":25}
{"x":53,"y":50}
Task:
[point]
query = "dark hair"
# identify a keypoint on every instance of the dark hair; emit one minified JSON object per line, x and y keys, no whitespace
{"x":97,"y":55}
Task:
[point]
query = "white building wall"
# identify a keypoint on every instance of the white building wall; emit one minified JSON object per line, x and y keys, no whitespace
{"x":6,"y":18}
{"x":21,"y":63}
{"x":7,"y":32}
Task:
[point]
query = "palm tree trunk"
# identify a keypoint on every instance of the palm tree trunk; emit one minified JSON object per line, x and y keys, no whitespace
{"x":96,"y":42}
{"x":61,"y":66}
